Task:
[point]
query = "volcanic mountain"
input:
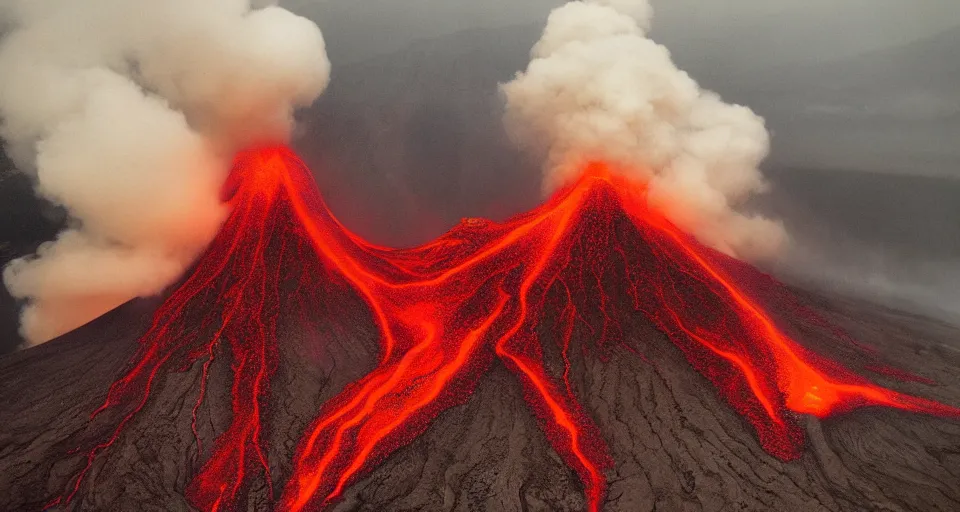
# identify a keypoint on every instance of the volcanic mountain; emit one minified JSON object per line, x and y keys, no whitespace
{"x":584,"y":355}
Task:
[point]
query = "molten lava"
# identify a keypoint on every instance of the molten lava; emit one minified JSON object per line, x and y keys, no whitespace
{"x":586,"y":261}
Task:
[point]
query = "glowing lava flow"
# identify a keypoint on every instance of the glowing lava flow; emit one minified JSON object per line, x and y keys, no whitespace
{"x":587,"y":259}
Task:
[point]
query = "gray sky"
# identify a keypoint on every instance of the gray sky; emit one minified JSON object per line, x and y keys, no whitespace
{"x":773,"y":55}
{"x":794,"y":29}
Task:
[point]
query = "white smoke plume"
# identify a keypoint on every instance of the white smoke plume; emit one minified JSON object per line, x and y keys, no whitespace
{"x":128,"y":113}
{"x":599,"y":89}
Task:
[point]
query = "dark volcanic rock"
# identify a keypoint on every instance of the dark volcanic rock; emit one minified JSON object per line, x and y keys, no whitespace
{"x":268,"y":333}
{"x":676,"y":445}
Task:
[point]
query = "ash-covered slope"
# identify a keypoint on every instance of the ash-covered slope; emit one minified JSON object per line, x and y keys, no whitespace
{"x":495,"y":368}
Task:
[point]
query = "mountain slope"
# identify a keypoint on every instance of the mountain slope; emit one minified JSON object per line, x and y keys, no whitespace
{"x":573,"y":357}
{"x":674,"y":443}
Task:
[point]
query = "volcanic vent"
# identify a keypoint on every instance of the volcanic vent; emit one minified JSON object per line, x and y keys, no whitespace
{"x":297,"y":366}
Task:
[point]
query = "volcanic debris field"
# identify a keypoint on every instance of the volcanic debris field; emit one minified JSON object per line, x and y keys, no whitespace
{"x":586,"y":355}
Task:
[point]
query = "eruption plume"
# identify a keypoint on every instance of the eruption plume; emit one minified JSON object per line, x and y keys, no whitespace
{"x":128,"y":114}
{"x":599,"y":89}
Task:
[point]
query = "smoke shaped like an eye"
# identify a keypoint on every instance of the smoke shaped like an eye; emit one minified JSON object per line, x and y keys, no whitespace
{"x":598,"y":89}
{"x":128,"y":113}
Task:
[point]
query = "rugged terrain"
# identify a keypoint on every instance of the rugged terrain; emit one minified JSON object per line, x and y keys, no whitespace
{"x":677,"y":446}
{"x":208,"y":396}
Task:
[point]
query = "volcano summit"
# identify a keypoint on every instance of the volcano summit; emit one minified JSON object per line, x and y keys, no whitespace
{"x":298,"y":367}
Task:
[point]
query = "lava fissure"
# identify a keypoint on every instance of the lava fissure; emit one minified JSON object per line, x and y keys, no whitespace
{"x":445,"y":311}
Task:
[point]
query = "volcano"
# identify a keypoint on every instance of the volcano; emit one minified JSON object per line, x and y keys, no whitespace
{"x":587,"y":355}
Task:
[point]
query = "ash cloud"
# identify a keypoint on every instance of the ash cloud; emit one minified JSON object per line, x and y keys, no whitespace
{"x":598,"y":88}
{"x":127,"y":113}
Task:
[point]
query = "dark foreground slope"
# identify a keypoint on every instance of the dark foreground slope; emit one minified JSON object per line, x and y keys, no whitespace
{"x":631,"y":343}
{"x":676,"y":445}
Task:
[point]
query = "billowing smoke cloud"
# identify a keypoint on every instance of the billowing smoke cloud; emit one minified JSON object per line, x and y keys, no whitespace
{"x":599,"y":89}
{"x":128,"y":113}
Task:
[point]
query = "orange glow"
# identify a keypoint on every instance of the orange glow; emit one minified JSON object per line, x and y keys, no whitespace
{"x":590,"y":259}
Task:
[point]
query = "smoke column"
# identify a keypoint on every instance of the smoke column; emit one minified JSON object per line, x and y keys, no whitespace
{"x":128,"y":114}
{"x":599,"y":89}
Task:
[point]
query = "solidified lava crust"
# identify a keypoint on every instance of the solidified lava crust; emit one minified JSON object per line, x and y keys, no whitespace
{"x":445,"y":312}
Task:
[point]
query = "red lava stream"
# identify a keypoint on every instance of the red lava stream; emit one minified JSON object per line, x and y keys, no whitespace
{"x":590,"y":258}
